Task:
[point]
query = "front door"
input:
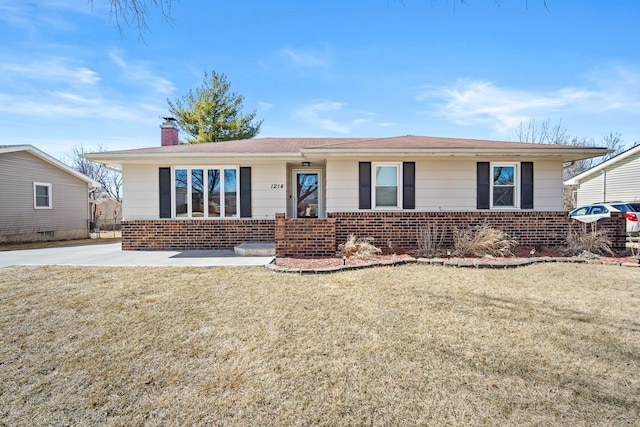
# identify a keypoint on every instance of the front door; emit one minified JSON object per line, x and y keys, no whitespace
{"x":307,"y":194}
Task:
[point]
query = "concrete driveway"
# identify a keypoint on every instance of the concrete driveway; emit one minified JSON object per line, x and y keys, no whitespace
{"x":111,"y":254}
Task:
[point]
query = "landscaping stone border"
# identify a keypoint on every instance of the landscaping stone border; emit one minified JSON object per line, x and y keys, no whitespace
{"x":445,"y":262}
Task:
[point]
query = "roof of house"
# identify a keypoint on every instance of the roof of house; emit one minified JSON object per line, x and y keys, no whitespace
{"x":47,"y":158}
{"x":604,"y":165}
{"x":320,"y":148}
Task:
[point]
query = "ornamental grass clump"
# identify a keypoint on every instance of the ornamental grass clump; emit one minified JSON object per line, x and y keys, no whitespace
{"x":360,"y":248}
{"x":481,"y":241}
{"x":587,"y":239}
{"x":430,"y":238}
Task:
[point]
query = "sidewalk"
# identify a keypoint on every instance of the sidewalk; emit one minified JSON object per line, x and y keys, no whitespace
{"x":110,"y":254}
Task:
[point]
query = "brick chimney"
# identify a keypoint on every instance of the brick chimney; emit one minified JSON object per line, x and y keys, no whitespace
{"x":169,"y":134}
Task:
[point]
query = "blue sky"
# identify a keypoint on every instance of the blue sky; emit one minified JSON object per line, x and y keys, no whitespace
{"x":68,"y":76}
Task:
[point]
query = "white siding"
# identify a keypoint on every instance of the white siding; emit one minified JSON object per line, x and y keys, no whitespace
{"x":268,"y":190}
{"x":591,"y":190}
{"x":618,"y":182}
{"x":442,"y":184}
{"x":623,"y":180}
{"x":140,"y":192}
{"x":547,"y":185}
{"x":68,"y":217}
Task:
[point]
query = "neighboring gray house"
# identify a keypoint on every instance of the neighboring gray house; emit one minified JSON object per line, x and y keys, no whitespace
{"x":41,"y":198}
{"x":617,"y":179}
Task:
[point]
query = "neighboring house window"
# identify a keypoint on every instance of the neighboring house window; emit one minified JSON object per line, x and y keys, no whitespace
{"x":207,"y":192}
{"x":386,"y":185}
{"x":503,"y":185}
{"x":41,"y":195}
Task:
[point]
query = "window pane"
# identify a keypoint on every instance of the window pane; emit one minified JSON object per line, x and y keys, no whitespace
{"x":387,"y":175}
{"x":386,"y":186}
{"x":230,"y":201}
{"x":214,"y":192}
{"x":503,"y":175}
{"x":503,"y":196}
{"x":197,"y":192}
{"x":42,"y":196}
{"x":181,"y":192}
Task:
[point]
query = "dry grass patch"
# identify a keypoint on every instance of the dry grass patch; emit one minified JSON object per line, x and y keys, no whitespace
{"x":551,"y":344}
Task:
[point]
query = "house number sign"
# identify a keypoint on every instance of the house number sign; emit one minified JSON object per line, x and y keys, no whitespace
{"x":277,"y":186}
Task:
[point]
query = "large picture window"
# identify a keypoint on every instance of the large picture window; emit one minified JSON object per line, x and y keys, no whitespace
{"x":503,"y":185}
{"x":41,"y":195}
{"x":386,"y":185}
{"x":206,"y":192}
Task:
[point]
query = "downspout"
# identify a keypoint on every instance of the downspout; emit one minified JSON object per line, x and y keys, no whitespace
{"x":604,"y":185}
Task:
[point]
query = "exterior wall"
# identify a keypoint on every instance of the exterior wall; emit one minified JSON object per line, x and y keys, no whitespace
{"x":442,"y":184}
{"x":398,"y":231}
{"x":141,"y":190}
{"x":268,"y":190}
{"x":305,"y":237}
{"x":166,"y":234}
{"x":392,"y":231}
{"x":19,"y":221}
{"x":619,"y":182}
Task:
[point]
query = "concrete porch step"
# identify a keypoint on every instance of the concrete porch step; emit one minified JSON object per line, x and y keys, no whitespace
{"x":256,"y":249}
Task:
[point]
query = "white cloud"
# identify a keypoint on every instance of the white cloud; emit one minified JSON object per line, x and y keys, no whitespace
{"x":264,"y":106}
{"x":139,"y":73}
{"x":317,"y":115}
{"x":334,"y":117}
{"x":71,"y":105}
{"x":307,"y":59}
{"x":469,"y":102}
{"x":58,"y":69}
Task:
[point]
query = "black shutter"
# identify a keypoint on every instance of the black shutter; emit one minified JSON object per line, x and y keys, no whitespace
{"x":526,"y":186}
{"x":365,"y":185}
{"x":483,"y":185}
{"x":408,"y":185}
{"x":245,"y":192}
{"x":165,"y":192}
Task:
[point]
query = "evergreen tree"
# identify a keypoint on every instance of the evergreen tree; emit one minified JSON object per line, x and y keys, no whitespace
{"x":212,"y":113}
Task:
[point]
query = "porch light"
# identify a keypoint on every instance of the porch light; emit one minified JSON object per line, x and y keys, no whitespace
{"x":306,"y":164}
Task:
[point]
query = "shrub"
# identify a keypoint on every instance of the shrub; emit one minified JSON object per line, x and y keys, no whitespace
{"x":361,"y":248}
{"x":481,"y":241}
{"x":587,"y":238}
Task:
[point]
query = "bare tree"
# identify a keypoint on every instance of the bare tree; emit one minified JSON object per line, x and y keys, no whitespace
{"x":134,"y":13}
{"x":543,"y":133}
{"x":111,"y":180}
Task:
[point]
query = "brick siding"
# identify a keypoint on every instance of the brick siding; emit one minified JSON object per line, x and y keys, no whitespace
{"x":194,"y":234}
{"x":399,"y":231}
{"x":305,"y":238}
{"x":391,"y":231}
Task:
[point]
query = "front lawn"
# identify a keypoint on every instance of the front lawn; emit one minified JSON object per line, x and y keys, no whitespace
{"x":548,"y":344}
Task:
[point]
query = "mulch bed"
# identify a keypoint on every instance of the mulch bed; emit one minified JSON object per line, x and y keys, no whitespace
{"x":519,"y":253}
